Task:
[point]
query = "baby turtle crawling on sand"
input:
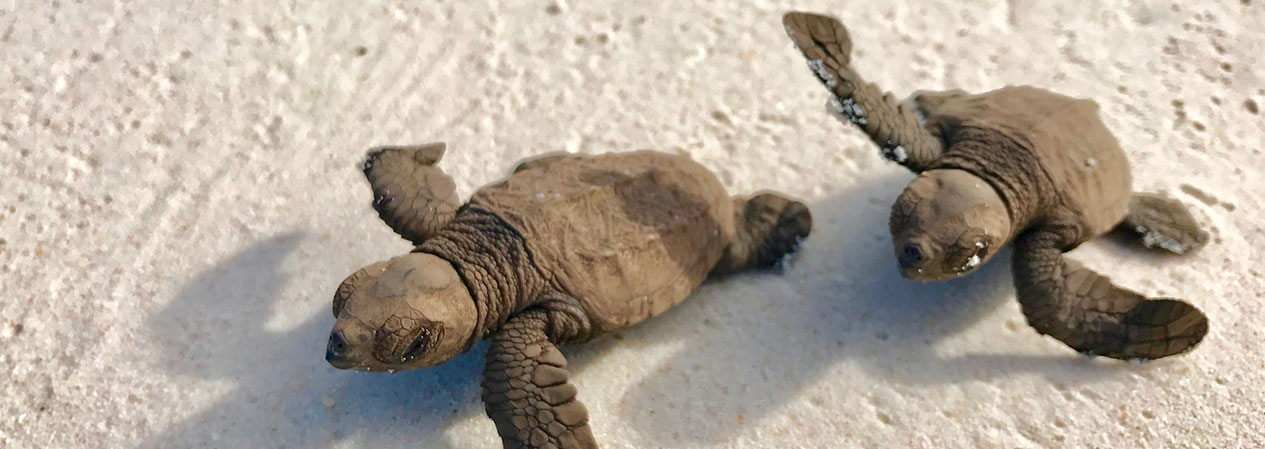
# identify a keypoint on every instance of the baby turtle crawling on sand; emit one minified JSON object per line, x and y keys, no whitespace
{"x":567,"y":248}
{"x":1017,"y":164}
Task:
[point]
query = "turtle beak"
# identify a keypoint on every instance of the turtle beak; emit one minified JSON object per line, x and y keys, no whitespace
{"x":917,"y":262}
{"x":911,"y":256}
{"x":336,"y":351}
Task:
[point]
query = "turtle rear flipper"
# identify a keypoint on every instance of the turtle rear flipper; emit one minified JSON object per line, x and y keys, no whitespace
{"x":895,"y":127}
{"x":1086,"y":311}
{"x":526,"y":390}
{"x":1164,"y":223}
{"x":768,"y":227}
{"x":413,"y":196}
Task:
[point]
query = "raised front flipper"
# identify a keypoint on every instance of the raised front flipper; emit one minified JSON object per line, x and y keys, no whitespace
{"x":768,"y":227}
{"x":1086,"y":311}
{"x":413,"y":196}
{"x":893,"y":126}
{"x":1164,"y":223}
{"x":525,"y":389}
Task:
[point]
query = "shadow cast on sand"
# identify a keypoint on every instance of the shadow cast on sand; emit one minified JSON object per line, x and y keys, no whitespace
{"x":842,"y":300}
{"x":758,"y":338}
{"x":281,"y":392}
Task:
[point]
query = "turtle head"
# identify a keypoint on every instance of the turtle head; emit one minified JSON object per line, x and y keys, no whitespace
{"x":412,"y":311}
{"x":946,"y":224}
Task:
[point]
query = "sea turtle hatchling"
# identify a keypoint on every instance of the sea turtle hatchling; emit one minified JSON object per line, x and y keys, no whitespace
{"x":565,"y":249}
{"x":1017,"y":164}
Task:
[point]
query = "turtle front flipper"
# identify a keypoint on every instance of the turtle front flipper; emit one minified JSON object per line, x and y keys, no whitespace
{"x":1164,"y":223}
{"x":525,"y":388}
{"x":767,"y":228}
{"x":1083,"y":309}
{"x":413,"y":196}
{"x":892,"y":125}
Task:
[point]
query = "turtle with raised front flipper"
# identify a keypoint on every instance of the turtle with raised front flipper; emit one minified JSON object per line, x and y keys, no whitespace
{"x":1017,"y":164}
{"x":565,"y":249}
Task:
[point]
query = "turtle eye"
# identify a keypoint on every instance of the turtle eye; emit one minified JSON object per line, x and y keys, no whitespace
{"x":417,"y":348}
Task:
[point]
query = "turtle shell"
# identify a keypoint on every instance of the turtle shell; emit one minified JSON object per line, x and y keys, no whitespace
{"x":1085,"y":163}
{"x":627,"y":234}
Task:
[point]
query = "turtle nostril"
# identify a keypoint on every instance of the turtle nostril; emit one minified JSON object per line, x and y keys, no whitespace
{"x":912,"y":255}
{"x":337,"y":344}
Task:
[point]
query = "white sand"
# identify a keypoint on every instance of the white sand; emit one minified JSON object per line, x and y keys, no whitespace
{"x":179,"y":198}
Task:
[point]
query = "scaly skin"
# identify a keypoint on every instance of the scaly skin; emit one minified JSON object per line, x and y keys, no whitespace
{"x":1016,"y":163}
{"x":1086,"y":311}
{"x":1008,"y":166}
{"x":525,"y":388}
{"x":893,"y":126}
{"x":769,"y":227}
{"x":1164,"y":223}
{"x":410,"y":194}
{"x":493,"y":261}
{"x":475,"y":275}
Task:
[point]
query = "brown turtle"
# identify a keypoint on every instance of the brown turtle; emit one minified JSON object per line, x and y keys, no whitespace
{"x":565,"y":249}
{"x":1017,"y":164}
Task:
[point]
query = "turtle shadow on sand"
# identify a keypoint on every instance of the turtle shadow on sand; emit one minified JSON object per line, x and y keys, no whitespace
{"x":842,"y":300}
{"x":283,"y":393}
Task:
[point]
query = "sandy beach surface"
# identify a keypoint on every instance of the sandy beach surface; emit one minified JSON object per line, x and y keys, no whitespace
{"x":179,"y":197}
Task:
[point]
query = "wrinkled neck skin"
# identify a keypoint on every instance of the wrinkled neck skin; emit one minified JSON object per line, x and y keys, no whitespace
{"x":1009,"y":166}
{"x":493,"y":261}
{"x":983,"y":190}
